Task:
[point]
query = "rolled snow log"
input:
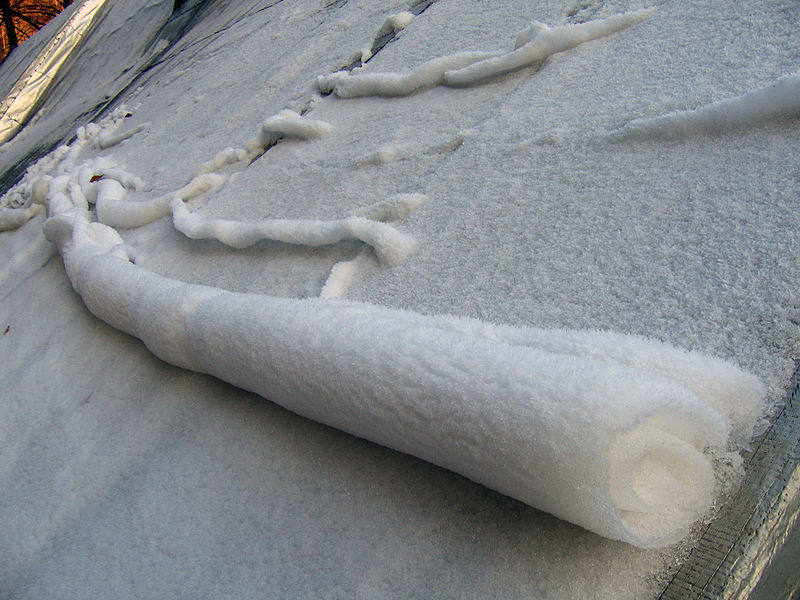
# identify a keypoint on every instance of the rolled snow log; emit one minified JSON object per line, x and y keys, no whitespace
{"x":544,"y":42}
{"x":618,"y":450}
{"x":780,"y":99}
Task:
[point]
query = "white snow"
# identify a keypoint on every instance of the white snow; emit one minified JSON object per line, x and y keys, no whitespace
{"x":288,"y":123}
{"x":345,"y":273}
{"x":777,"y":100}
{"x":544,"y":42}
{"x":596,"y":429}
{"x":403,"y":151}
{"x":114,"y":208}
{"x":224,"y":158}
{"x":393,"y":208}
{"x":533,"y":46}
{"x":124,"y":476}
{"x":353,"y":85}
{"x":12,"y":218}
{"x":391,"y":245}
{"x":112,"y":139}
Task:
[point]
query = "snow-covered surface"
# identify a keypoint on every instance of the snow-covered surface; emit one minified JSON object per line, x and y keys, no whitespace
{"x":124,"y":476}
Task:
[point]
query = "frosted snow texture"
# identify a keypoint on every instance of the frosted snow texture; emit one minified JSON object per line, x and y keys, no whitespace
{"x":12,"y":218}
{"x":614,"y":433}
{"x":777,"y":100}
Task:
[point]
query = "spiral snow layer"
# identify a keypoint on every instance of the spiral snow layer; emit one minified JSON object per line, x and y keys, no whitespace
{"x":616,"y":438}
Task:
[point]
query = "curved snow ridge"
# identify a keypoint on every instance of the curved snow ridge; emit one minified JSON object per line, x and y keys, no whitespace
{"x":54,"y":173}
{"x":224,"y":158}
{"x":345,"y":273}
{"x":391,"y":152}
{"x":391,"y":246}
{"x":779,"y":99}
{"x":616,"y":449}
{"x":353,"y":85}
{"x":115,"y":209}
{"x":533,"y":46}
{"x":13,"y":218}
{"x":285,"y":124}
{"x":544,"y":42}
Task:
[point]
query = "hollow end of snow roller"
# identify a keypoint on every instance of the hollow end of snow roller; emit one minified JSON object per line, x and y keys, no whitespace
{"x":661,"y":481}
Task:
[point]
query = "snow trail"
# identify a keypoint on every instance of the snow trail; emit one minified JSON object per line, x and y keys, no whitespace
{"x":611,"y":432}
{"x":779,"y":99}
{"x":391,"y":246}
{"x":545,"y":42}
{"x":354,"y":85}
{"x":463,"y":69}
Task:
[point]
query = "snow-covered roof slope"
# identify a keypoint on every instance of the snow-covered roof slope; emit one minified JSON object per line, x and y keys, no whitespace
{"x":512,"y":180}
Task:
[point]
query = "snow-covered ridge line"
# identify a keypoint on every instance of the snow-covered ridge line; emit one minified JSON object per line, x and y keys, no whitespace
{"x":117,"y":210}
{"x":391,"y":246}
{"x":545,"y":42}
{"x":470,"y":68}
{"x":13,"y":218}
{"x":353,"y":85}
{"x":779,"y":99}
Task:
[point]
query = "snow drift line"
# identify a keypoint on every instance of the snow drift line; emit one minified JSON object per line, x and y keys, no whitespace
{"x":116,"y":210}
{"x":108,"y":187}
